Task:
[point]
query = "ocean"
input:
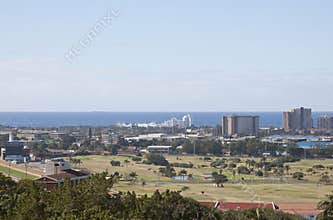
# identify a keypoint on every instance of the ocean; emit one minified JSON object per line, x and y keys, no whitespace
{"x":57,"y":119}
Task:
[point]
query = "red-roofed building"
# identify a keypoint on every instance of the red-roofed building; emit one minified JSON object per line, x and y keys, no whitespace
{"x":308,"y":210}
{"x":55,"y":180}
{"x":224,"y":206}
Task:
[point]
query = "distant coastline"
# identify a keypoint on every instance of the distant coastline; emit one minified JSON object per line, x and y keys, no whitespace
{"x":97,"y":118}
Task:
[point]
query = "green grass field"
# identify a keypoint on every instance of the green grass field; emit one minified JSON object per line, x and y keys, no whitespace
{"x":291,"y":193}
{"x":253,"y":187}
{"x":15,"y":173}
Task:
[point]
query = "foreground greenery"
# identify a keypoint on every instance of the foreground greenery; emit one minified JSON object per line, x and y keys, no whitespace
{"x":91,"y":199}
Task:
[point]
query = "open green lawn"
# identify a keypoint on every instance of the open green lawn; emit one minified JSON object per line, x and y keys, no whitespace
{"x":257,"y":188}
{"x":291,"y":193}
{"x":15,"y":173}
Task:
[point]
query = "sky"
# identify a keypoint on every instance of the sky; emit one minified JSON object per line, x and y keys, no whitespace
{"x":166,"y":55}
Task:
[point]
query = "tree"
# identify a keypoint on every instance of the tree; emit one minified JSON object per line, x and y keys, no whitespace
{"x":182,"y":173}
{"x":298,"y":175}
{"x":115,"y":163}
{"x":156,"y":159}
{"x":325,"y":179}
{"x":287,"y":168}
{"x":259,"y":173}
{"x":185,"y":188}
{"x":243,"y":170}
{"x":133,"y":176}
{"x":168,"y":171}
{"x":91,"y":199}
{"x":219,"y":179}
{"x":327,"y":206}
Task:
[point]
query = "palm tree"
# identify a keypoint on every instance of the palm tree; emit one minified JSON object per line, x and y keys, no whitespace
{"x":79,"y":161}
{"x":327,"y":206}
{"x":287,"y":168}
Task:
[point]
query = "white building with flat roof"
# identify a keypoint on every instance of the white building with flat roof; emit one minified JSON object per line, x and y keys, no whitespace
{"x":159,"y":149}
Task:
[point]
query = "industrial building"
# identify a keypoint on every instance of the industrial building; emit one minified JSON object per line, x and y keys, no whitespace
{"x":15,"y":151}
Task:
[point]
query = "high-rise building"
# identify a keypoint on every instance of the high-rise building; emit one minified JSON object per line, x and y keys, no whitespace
{"x":297,"y":119}
{"x":240,"y":125}
{"x":187,"y":121}
{"x":325,"y":122}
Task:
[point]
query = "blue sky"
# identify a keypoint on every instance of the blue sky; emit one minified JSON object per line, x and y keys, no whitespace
{"x":167,"y":56}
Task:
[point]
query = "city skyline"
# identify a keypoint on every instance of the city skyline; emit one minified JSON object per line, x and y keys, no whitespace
{"x":161,"y":56}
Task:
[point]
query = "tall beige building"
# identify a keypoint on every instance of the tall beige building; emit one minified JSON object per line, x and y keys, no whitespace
{"x":240,"y":125}
{"x":297,"y":119}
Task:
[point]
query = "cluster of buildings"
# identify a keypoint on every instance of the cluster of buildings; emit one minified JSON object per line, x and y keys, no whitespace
{"x":57,"y":170}
{"x":185,"y":122}
{"x":295,"y":120}
{"x":300,"y":119}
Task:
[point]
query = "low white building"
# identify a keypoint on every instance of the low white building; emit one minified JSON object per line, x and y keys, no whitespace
{"x":159,"y":149}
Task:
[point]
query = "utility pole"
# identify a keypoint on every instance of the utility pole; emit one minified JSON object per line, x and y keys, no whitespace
{"x":9,"y":169}
{"x":26,"y":170}
{"x":194,"y":147}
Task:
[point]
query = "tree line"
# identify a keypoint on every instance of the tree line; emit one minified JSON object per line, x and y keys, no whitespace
{"x":91,"y":199}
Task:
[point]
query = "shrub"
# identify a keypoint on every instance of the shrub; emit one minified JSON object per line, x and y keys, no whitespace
{"x":207,"y":158}
{"x":115,"y":163}
{"x":219,"y":163}
{"x":243,"y":170}
{"x":182,"y":165}
{"x":184,"y":188}
{"x":156,"y":159}
{"x":259,"y":173}
{"x":298,"y":175}
{"x":136,"y":159}
{"x":168,"y":171}
{"x":318,"y":166}
{"x":232,"y":165}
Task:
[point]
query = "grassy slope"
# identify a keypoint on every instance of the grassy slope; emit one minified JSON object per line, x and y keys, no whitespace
{"x":15,"y":173}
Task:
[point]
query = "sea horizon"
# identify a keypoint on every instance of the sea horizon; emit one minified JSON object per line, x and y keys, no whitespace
{"x":104,"y":118}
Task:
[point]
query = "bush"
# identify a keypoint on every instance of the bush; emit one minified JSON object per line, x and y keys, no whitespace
{"x":115,"y":163}
{"x":184,"y":188}
{"x":232,"y":165}
{"x":298,"y":175}
{"x":156,"y":159}
{"x":168,"y":171}
{"x":235,"y":160}
{"x":325,"y":179}
{"x":136,"y":159}
{"x":243,"y":170}
{"x":318,"y":166}
{"x":259,"y":173}
{"x":219,"y":163}
{"x":182,"y":165}
{"x":207,"y":159}
{"x":219,"y":179}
